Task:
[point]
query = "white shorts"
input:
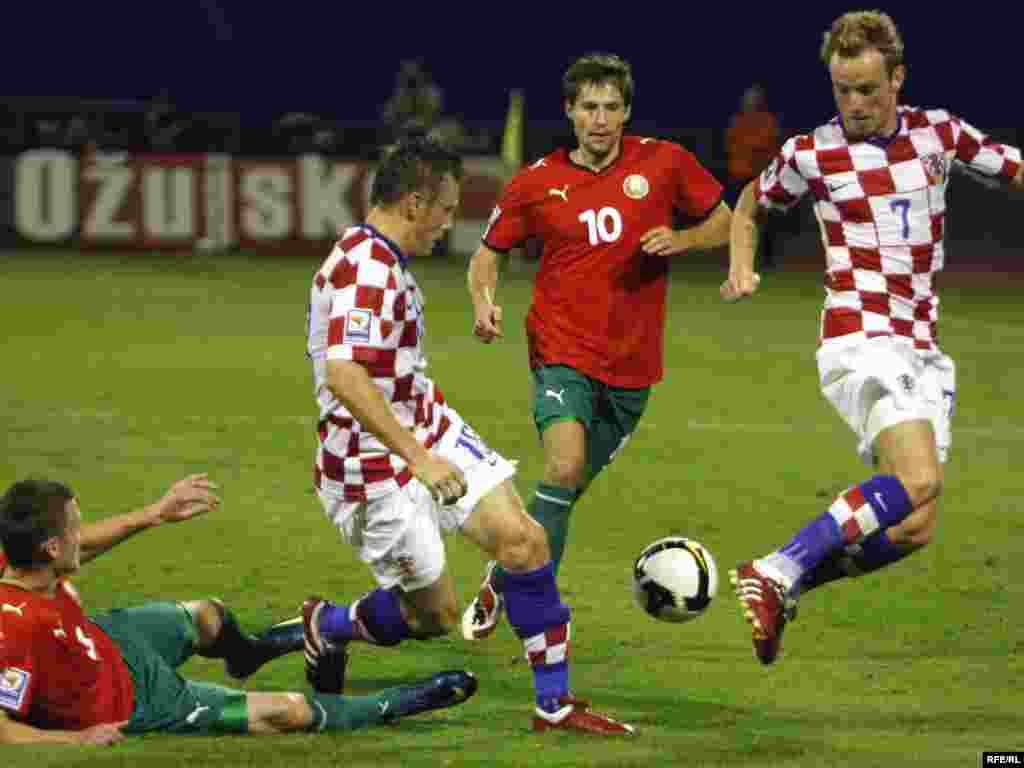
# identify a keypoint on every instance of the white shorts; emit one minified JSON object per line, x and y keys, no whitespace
{"x":880,"y":382}
{"x":399,"y":535}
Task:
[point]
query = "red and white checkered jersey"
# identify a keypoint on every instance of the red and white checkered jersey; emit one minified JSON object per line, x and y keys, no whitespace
{"x":365,"y":307}
{"x":881,"y":206}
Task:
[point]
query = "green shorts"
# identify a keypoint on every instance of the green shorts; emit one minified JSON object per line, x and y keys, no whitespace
{"x":609,"y":414}
{"x":155,"y":639}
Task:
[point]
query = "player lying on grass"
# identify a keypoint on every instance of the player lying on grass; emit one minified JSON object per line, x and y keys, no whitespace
{"x":66,"y":678}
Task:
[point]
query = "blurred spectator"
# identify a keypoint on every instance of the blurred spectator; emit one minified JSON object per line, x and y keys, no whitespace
{"x":163,"y":123}
{"x":751,"y":141}
{"x":415,"y":102}
{"x":417,"y":105}
{"x":302,"y":132}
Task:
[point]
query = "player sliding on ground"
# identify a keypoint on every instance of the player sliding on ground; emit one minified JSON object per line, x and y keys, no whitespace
{"x":66,"y":678}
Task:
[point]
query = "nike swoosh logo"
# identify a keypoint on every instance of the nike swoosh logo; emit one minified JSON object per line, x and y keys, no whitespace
{"x":8,"y":608}
{"x":837,"y":187}
{"x":384,"y":706}
{"x":881,"y":501}
{"x":193,"y":716}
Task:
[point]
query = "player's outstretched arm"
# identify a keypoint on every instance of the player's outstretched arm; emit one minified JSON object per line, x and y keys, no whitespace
{"x":483,"y":282}
{"x":710,"y":233}
{"x":352,"y":385}
{"x":187,"y":498}
{"x":13,"y":732}
{"x":744,"y":235}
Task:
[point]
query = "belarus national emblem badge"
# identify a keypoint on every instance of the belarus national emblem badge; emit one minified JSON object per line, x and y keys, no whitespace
{"x":636,"y":186}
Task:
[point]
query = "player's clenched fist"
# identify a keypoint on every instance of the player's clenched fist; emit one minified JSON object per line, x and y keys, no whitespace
{"x":487,"y":325}
{"x":740,"y":285}
{"x":444,"y":480}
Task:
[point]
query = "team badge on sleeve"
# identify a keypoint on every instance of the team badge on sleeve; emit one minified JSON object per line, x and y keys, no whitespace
{"x":935,"y":166}
{"x":13,"y":687}
{"x":357,"y":325}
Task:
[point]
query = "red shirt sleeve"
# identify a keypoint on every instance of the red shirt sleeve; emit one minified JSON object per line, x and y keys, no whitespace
{"x":697,"y":192}
{"x":508,"y":225}
{"x":19,"y":673}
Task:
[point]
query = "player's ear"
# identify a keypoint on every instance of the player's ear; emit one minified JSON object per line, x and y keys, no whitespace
{"x":51,"y":547}
{"x":568,"y":109}
{"x":628,"y":113}
{"x":899,"y":76}
{"x":410,"y":205}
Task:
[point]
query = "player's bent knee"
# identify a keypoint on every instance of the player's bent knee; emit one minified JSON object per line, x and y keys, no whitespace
{"x":524,"y":546}
{"x":565,"y":471}
{"x":208,"y":617}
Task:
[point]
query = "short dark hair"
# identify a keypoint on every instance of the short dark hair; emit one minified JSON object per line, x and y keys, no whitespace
{"x":599,"y":68}
{"x":414,"y":164}
{"x":32,"y":512}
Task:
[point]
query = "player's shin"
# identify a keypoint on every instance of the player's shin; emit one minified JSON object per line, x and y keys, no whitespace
{"x":375,"y":618}
{"x":348,"y":713}
{"x":550,"y":507}
{"x":854,"y":516}
{"x":542,"y":621}
{"x":873,"y":553}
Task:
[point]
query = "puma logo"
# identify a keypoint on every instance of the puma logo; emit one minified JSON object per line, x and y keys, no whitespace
{"x":562,"y":193}
{"x":559,"y":395}
{"x":18,"y":609}
{"x":193,"y":716}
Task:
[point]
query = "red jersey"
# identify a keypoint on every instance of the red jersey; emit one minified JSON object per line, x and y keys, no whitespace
{"x":599,"y":300}
{"x":58,"y":670}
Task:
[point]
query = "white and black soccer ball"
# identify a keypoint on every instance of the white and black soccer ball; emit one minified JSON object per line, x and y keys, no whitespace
{"x":675,"y":579}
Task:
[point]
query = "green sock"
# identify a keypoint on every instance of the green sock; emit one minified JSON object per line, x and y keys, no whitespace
{"x":332,"y":712}
{"x":550,"y":507}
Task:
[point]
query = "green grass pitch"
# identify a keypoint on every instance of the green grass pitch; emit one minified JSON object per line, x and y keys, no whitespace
{"x":121,"y":373}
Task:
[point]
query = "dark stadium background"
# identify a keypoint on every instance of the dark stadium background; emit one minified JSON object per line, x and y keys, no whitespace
{"x":692,"y":61}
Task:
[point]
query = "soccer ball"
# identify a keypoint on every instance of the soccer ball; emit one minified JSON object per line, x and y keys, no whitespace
{"x":674,"y":579}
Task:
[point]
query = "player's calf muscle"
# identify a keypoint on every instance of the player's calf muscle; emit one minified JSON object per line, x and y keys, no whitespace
{"x":278,"y":712}
{"x":435,"y":621}
{"x":919,"y":528}
{"x":523,"y":547}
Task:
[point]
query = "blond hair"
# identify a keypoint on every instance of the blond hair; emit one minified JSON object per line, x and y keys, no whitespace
{"x":858,"y":31}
